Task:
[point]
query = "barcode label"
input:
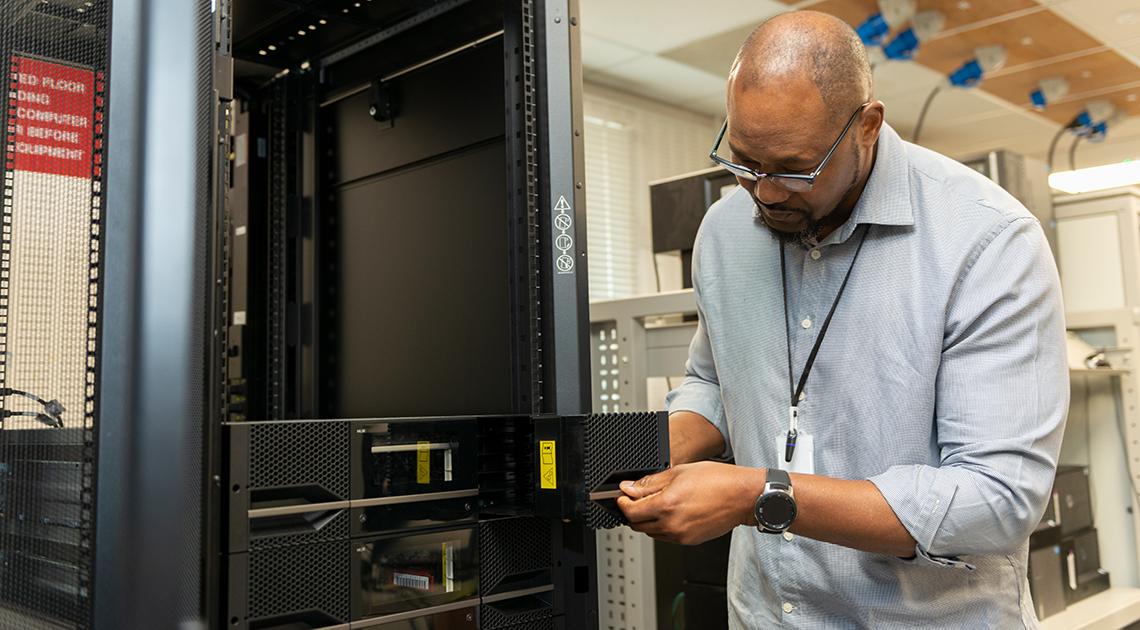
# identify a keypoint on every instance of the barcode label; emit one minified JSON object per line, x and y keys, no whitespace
{"x":411,"y":580}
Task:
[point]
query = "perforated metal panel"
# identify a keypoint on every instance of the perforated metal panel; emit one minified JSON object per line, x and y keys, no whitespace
{"x":618,"y":442}
{"x":502,"y":617}
{"x":54,"y":54}
{"x":512,"y":547}
{"x":299,"y":578}
{"x":300,"y":453}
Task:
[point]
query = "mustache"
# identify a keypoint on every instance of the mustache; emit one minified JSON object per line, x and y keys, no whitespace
{"x":781,"y":208}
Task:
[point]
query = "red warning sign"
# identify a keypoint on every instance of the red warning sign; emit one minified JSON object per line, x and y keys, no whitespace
{"x":51,"y":111}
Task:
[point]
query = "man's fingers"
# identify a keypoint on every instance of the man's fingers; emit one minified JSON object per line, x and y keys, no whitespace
{"x":647,"y":485}
{"x":639,"y":511}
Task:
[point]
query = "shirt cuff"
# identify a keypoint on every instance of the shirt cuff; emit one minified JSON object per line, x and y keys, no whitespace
{"x":920,"y":497}
{"x":704,"y":399}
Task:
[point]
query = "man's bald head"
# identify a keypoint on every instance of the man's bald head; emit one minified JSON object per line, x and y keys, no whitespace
{"x":806,"y":45}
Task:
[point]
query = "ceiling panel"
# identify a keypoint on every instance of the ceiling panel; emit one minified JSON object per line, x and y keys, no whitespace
{"x":1089,"y":73}
{"x":893,"y":78}
{"x":1109,"y":20}
{"x":957,"y":12}
{"x":1027,"y":39}
{"x":961,"y":13}
{"x":713,"y":54}
{"x":1126,"y":100}
{"x":662,"y":79}
{"x":601,"y":53}
{"x":679,"y":52}
{"x":656,"y":25}
{"x":851,"y":11}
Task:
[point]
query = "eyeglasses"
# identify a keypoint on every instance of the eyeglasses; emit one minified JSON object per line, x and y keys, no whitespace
{"x":793,"y":182}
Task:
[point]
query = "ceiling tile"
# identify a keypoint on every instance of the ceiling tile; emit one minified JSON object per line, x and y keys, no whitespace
{"x":851,"y":11}
{"x":958,"y":14}
{"x":953,"y":111}
{"x":713,"y":54}
{"x":1048,"y":36}
{"x":656,"y":25}
{"x":1086,"y":74}
{"x":663,"y":79}
{"x":961,"y":14}
{"x":601,"y":53}
{"x":893,"y":78}
{"x":1126,"y":100}
{"x":1011,"y":131}
{"x":1111,"y":21}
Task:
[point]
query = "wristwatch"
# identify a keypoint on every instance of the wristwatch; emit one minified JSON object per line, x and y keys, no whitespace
{"x":775,"y":508}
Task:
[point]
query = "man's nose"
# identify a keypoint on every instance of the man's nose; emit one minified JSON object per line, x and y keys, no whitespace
{"x":768,"y":193}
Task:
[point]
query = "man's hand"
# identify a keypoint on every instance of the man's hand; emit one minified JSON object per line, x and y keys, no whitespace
{"x":692,"y":503}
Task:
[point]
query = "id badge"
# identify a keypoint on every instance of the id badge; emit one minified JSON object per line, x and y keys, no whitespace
{"x":803,"y":459}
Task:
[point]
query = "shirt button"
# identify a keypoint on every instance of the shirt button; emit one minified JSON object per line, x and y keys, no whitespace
{"x":788,"y":536}
{"x":788,"y":607}
{"x":815,"y":254}
{"x":806,"y":323}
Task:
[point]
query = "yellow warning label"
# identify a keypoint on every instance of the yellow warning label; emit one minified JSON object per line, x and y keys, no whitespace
{"x":423,"y":462}
{"x":547,"y":471}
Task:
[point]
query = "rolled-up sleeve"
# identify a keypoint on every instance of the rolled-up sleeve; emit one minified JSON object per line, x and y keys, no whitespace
{"x":699,"y":392}
{"x":1002,"y":395}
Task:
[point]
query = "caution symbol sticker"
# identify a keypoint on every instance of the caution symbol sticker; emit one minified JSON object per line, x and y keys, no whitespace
{"x":547,"y":469}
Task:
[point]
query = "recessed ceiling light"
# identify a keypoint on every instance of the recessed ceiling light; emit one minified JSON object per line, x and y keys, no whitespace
{"x":1027,"y":41}
{"x":312,"y":27}
{"x":262,"y":53}
{"x":345,"y":10}
{"x":300,"y":32}
{"x":964,"y":5}
{"x":323,"y":22}
{"x":272,"y":47}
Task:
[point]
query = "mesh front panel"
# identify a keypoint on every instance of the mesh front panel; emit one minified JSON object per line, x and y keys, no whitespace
{"x":614,"y":443}
{"x":503,"y":617}
{"x":300,"y":578}
{"x":287,"y":454}
{"x":510,"y":548}
{"x":55,"y":54}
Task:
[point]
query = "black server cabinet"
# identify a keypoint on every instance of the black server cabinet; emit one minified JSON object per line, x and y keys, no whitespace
{"x":293,"y":320}
{"x":403,"y":440}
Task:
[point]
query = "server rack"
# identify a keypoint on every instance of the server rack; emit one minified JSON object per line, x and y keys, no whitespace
{"x":245,"y":430}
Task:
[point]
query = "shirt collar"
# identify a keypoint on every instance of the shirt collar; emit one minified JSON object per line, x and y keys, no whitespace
{"x":886,"y":197}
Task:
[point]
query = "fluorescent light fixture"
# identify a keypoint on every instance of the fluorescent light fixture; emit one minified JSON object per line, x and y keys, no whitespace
{"x":1097,"y":177}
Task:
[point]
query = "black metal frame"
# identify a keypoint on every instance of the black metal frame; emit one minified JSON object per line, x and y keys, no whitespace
{"x":146,"y":488}
{"x":150,"y":475}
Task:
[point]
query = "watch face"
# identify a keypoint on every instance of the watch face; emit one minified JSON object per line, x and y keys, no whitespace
{"x":776,"y":511}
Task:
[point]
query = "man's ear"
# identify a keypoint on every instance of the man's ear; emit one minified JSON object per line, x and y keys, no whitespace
{"x":871,"y":123}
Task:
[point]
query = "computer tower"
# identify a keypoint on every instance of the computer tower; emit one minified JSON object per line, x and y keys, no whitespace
{"x":276,"y":350}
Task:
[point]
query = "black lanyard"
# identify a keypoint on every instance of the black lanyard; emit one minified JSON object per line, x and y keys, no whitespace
{"x":798,"y":390}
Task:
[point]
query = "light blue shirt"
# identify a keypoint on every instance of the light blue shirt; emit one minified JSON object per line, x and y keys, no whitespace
{"x":943,"y":380}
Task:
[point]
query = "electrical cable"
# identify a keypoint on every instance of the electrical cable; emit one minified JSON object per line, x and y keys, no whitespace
{"x":51,"y":415}
{"x":1053,"y":147}
{"x":1073,"y":153}
{"x":656,"y":271}
{"x":923,"y":111}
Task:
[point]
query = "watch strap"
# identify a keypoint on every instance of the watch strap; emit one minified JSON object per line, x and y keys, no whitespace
{"x":777,"y":476}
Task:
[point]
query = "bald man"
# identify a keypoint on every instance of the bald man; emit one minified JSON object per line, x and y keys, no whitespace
{"x":881,"y":350}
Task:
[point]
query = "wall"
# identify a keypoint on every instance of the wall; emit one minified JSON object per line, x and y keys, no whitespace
{"x":631,"y":141}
